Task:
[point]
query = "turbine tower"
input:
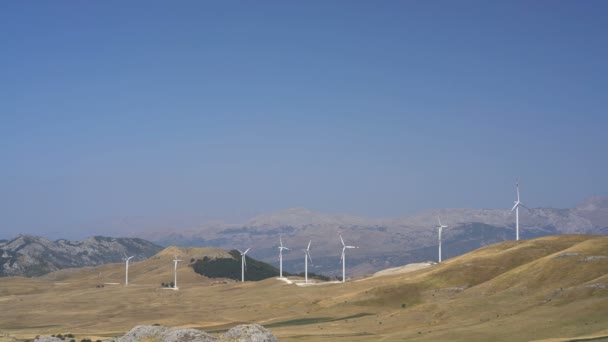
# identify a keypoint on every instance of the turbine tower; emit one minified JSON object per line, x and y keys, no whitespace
{"x":343,"y":258}
{"x":243,"y":263}
{"x":175,"y":261}
{"x":126,"y":259}
{"x":306,"y":257}
{"x":516,"y":208}
{"x":281,"y":248}
{"x":440,"y":228}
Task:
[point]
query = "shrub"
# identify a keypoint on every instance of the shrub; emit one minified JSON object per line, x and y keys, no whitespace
{"x":231,"y":268}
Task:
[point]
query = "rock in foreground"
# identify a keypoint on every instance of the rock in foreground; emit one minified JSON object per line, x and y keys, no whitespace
{"x":164,"y":334}
{"x":248,"y":333}
{"x":155,"y":333}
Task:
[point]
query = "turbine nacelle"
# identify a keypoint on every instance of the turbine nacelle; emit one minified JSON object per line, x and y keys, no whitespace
{"x":518,"y":204}
{"x":440,"y":226}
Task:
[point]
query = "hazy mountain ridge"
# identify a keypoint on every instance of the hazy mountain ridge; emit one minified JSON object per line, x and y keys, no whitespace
{"x":28,"y":255}
{"x":386,"y":242}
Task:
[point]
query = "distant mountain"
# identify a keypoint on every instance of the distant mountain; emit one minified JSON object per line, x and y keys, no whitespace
{"x":384,"y":242}
{"x":28,"y":255}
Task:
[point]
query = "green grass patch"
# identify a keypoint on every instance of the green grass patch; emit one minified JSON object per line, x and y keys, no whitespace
{"x":313,"y":320}
{"x":330,"y":336}
{"x":599,"y":338}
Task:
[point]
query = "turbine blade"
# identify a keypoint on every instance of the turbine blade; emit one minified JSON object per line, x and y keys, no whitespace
{"x":281,"y":240}
{"x":247,"y":250}
{"x":309,"y":242}
{"x":341,"y":239}
{"x":240,"y":251}
{"x":309,"y":258}
{"x":515,"y":206}
{"x":439,"y":220}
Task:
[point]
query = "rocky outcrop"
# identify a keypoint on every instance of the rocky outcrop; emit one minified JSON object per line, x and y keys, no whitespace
{"x":48,"y":339}
{"x":165,"y":334}
{"x":155,"y":333}
{"x":248,"y":333}
{"x":28,"y":255}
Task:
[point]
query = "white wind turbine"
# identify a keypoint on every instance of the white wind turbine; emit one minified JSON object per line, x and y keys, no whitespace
{"x":516,"y":208}
{"x":440,"y":228}
{"x":126,"y":259}
{"x":243,"y":263}
{"x":306,"y":257}
{"x":175,"y":261}
{"x":343,"y":258}
{"x":281,"y":248}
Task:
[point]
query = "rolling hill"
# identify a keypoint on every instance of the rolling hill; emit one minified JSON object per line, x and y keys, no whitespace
{"x":550,"y":288}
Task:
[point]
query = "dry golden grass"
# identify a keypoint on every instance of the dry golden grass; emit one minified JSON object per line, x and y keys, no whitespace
{"x":553,"y":287}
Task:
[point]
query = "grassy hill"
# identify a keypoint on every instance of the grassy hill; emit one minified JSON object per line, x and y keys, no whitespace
{"x":547,"y":288}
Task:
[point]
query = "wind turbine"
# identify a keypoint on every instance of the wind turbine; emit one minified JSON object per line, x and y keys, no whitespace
{"x":126,"y":259}
{"x":516,"y":208}
{"x":281,"y":248}
{"x":243,"y":263}
{"x":343,"y":258}
{"x":440,"y":228}
{"x":175,"y":261}
{"x":306,"y":257}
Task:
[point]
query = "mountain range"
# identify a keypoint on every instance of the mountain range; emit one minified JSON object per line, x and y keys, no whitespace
{"x":28,"y":255}
{"x":383,"y":242}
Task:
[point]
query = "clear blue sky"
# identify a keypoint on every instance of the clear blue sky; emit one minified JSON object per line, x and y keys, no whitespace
{"x":151,"y":114}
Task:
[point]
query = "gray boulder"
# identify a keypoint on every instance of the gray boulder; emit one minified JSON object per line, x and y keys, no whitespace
{"x":48,"y":339}
{"x":164,"y":334}
{"x":248,"y":333}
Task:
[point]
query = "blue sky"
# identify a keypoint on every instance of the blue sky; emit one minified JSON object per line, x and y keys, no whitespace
{"x":154,"y":114}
